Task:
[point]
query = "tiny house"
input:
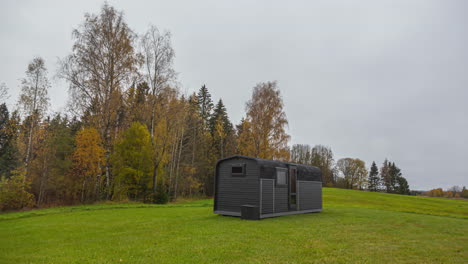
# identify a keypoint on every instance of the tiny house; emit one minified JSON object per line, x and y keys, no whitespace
{"x":254,"y":188}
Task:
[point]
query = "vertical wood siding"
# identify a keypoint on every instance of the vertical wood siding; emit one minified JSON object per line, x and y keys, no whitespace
{"x":268,"y":194}
{"x":310,"y":195}
{"x":233,"y":192}
{"x":281,"y":199}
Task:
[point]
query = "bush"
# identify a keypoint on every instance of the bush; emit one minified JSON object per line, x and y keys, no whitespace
{"x":14,"y":194}
{"x":161,"y":197}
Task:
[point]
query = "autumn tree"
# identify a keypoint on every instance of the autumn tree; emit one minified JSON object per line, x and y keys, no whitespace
{"x":300,"y":153}
{"x":435,"y":192}
{"x":14,"y":192}
{"x":158,"y":56}
{"x":245,"y":144}
{"x":103,"y":61}
{"x":322,"y":157}
{"x":52,"y":160}
{"x":33,"y":100}
{"x":354,"y":172}
{"x":268,"y":122}
{"x":170,"y":143}
{"x":464,"y":193}
{"x":374,"y":179}
{"x":132,"y":161}
{"x":88,"y":159}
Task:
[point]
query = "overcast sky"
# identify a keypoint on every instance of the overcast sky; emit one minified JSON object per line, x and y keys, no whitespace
{"x":371,"y":79}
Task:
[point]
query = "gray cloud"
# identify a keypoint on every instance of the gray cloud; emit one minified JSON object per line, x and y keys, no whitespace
{"x":371,"y":79}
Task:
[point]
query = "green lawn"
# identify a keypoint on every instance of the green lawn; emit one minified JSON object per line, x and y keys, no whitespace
{"x":354,"y":227}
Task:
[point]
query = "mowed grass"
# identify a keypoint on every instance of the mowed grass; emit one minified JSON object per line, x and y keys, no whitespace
{"x":354,"y":227}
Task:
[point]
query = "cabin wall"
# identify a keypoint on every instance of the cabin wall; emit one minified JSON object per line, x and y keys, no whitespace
{"x":281,"y":199}
{"x":267,"y":187}
{"x":233,"y":192}
{"x":310,"y":195}
{"x":274,"y":199}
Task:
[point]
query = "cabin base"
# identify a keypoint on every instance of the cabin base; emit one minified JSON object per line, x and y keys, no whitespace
{"x":290,"y":213}
{"x":226,"y":213}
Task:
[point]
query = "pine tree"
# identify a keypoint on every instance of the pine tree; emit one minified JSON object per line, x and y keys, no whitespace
{"x":221,"y":130}
{"x":220,"y":113}
{"x":8,"y":150}
{"x":205,"y":105}
{"x":394,"y":173}
{"x":374,"y":180}
{"x":385,"y":176}
{"x":403,"y":187}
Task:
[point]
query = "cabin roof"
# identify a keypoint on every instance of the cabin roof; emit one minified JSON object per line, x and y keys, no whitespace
{"x":306,"y":172}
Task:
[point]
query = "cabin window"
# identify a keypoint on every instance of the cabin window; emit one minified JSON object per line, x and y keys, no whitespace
{"x":281,"y":176}
{"x":238,"y":170}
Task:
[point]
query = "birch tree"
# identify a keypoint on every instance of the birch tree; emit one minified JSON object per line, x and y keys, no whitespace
{"x":103,"y":61}
{"x":3,"y":93}
{"x":354,"y":172}
{"x":158,"y":57}
{"x":33,"y":100}
{"x":268,"y":122}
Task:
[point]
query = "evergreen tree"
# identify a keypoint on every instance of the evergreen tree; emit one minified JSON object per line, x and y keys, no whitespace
{"x":221,"y":130}
{"x":220,"y":113}
{"x":394,"y":173}
{"x":8,"y":151}
{"x":385,"y":176}
{"x":205,"y":105}
{"x":403,"y":187}
{"x":374,"y":180}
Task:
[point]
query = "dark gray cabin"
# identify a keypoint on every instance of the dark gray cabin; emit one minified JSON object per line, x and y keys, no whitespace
{"x":256,"y":188}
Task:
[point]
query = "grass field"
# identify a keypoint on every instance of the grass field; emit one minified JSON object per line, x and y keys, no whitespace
{"x":354,"y":227}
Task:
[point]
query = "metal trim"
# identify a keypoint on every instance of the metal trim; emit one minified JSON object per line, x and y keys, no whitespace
{"x":290,"y":213}
{"x":261,"y":196}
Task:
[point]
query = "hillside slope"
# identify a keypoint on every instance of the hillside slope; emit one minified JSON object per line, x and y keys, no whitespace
{"x":354,"y":227}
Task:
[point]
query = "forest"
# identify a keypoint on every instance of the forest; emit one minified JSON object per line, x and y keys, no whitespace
{"x":129,"y":133}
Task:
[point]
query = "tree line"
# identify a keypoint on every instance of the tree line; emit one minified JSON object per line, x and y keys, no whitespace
{"x":452,"y":192}
{"x":130,"y":134}
{"x":351,"y":173}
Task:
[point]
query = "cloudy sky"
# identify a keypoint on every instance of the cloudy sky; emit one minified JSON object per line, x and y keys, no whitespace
{"x":371,"y":79}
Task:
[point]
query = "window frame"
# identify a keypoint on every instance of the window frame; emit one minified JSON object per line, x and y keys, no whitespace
{"x":234,"y":174}
{"x":285,"y":170}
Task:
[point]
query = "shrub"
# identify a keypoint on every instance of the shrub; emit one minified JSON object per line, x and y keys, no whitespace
{"x":13,"y":192}
{"x":161,"y":197}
